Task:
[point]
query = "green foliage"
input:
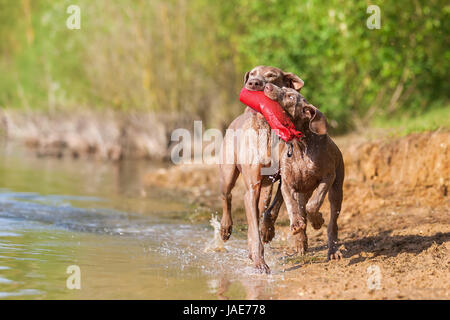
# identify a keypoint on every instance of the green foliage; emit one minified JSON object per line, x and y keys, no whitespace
{"x":431,"y":120}
{"x":189,"y":56}
{"x":349,"y":70}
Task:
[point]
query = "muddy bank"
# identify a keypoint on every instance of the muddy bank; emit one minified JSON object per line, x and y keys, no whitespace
{"x":105,"y":135}
{"x":415,"y":170}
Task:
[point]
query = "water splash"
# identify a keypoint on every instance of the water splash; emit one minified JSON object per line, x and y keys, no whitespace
{"x":216,"y":244}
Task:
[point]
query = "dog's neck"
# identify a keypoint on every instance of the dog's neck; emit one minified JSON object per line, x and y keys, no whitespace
{"x":309,"y":139}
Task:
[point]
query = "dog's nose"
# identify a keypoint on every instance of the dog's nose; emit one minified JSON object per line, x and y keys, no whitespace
{"x":269,"y":87}
{"x":255,"y":84}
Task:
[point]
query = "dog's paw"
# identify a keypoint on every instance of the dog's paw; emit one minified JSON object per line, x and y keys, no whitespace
{"x":297,"y":226}
{"x":262,"y":267}
{"x":225,"y":232}
{"x":301,"y":243}
{"x":317,"y":220}
{"x":336,"y":255}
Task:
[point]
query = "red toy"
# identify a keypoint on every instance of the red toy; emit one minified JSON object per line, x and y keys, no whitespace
{"x":275,"y":115}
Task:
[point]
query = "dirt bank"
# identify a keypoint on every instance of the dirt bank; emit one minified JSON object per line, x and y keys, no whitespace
{"x":415,"y":170}
{"x":395,"y":219}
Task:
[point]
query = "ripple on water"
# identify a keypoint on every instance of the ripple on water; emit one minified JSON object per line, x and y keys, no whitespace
{"x":23,"y":292}
{"x":5,"y":281}
{"x":9,"y":234}
{"x":104,"y":241}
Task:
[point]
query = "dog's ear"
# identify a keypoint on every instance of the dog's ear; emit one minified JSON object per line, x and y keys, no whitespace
{"x":317,"y":121}
{"x":294,"y":81}
{"x":246,"y":76}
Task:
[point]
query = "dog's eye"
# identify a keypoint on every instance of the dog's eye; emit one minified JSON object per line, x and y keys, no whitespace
{"x":291,"y":97}
{"x":270,"y":75}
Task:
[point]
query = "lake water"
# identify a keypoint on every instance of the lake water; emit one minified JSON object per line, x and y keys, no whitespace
{"x":128,"y":244}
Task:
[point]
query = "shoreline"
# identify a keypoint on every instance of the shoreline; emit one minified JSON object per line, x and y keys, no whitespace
{"x":105,"y":135}
{"x":417,"y":164}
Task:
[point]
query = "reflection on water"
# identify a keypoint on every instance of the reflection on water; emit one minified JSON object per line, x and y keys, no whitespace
{"x":57,"y":213}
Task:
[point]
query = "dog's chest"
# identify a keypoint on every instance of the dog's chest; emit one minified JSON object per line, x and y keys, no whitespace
{"x":302,"y":174}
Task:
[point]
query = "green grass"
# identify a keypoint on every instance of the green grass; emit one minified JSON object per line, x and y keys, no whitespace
{"x":405,"y":124}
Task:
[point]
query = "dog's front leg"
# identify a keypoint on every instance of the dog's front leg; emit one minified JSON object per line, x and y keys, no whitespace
{"x":256,"y":247}
{"x":316,"y":201}
{"x":295,"y":205}
{"x":270,"y":215}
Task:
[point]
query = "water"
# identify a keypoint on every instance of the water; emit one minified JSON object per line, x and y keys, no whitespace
{"x":129,"y":244}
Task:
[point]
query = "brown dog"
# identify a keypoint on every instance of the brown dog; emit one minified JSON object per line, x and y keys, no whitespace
{"x":312,"y":168}
{"x":259,"y":188}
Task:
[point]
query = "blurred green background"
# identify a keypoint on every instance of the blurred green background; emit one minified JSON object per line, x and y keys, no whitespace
{"x":189,"y":57}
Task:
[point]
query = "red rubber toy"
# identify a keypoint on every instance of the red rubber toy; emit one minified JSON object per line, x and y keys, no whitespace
{"x":275,"y":115}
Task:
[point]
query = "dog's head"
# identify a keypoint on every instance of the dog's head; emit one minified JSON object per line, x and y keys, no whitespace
{"x":256,"y":79}
{"x":302,"y":112}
